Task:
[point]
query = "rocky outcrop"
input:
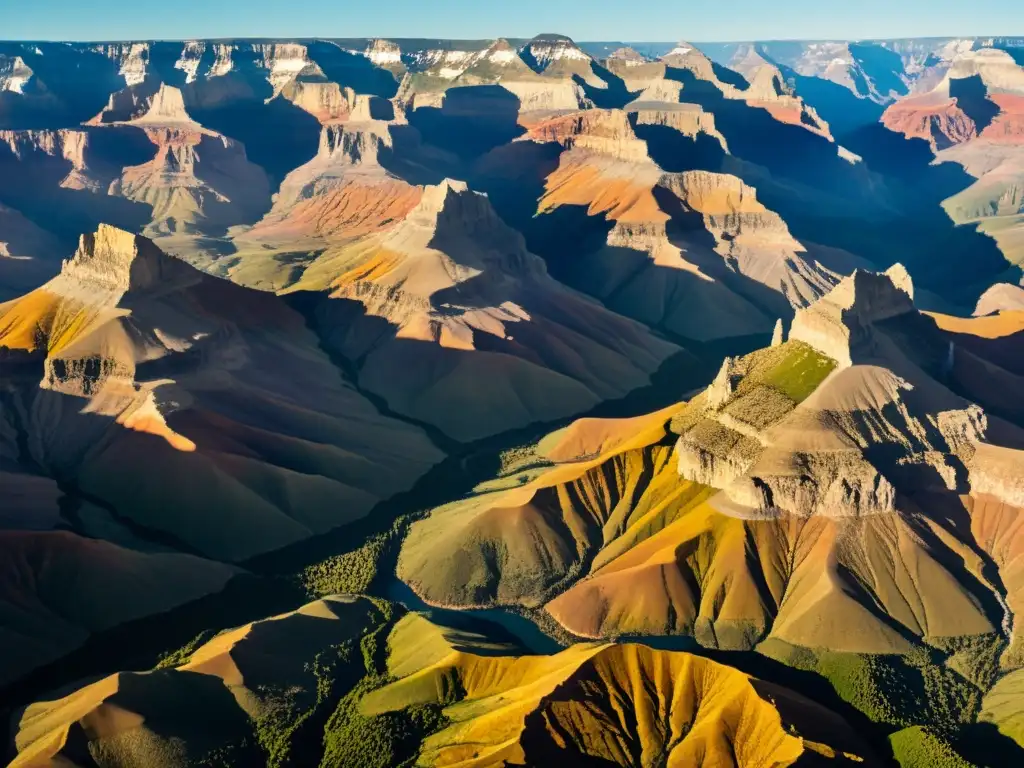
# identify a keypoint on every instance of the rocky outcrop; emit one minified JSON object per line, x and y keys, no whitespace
{"x":730,"y":207}
{"x":981,"y":96}
{"x":559,"y":57}
{"x":284,"y":62}
{"x":71,"y":147}
{"x":724,"y":386}
{"x":942,"y":123}
{"x":167,"y":106}
{"x":607,"y":132}
{"x":132,"y":60}
{"x":839,"y":325}
{"x":461,"y":292}
{"x":832,"y":484}
{"x":15,"y":74}
{"x":690,"y":120}
{"x":342,"y":194}
{"x":330,"y":103}
{"x":997,"y":69}
{"x":135,"y":351}
{"x":549,"y":86}
{"x":846,"y":440}
{"x":626,"y":57}
{"x":385,"y":54}
{"x":998,"y":472}
{"x":1002,"y":297}
{"x":198,"y":183}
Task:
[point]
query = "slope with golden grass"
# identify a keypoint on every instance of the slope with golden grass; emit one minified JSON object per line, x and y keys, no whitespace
{"x":1004,"y":706}
{"x":242,"y":691}
{"x":600,"y":704}
{"x":438,"y":696}
{"x":529,"y":538}
{"x":819,"y":504}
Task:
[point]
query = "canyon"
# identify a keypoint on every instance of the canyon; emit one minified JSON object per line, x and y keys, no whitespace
{"x":513,"y":401}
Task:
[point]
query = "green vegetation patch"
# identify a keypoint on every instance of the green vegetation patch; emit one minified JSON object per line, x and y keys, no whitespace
{"x":356,"y":571}
{"x":761,"y":407}
{"x":896,"y":691}
{"x":768,"y":383}
{"x":797,"y":371}
{"x":181,"y":655}
{"x":420,"y":82}
{"x":387,"y":740}
{"x":918,"y":747}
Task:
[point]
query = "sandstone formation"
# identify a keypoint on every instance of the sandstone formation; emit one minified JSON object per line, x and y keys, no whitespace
{"x":122,"y":361}
{"x":547,"y":86}
{"x":454,"y":287}
{"x":343,"y":194}
{"x":619,"y":704}
{"x":702,"y":246}
{"x":387,"y":273}
{"x":788,"y":458}
{"x":199,"y":182}
{"x":209,"y":702}
{"x":1000,"y":298}
{"x":979,"y":97}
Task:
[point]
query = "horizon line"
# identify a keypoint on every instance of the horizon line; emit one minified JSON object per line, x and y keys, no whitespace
{"x":399,"y":39}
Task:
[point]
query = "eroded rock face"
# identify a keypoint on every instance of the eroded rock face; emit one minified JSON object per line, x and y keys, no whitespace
{"x":132,"y":60}
{"x":540,"y":86}
{"x":861,"y":435}
{"x":69,"y":145}
{"x":730,"y":207}
{"x":341,"y":194}
{"x":690,"y":120}
{"x":14,"y":74}
{"x":627,"y":57}
{"x":838,"y":325}
{"x":980,"y":97}
{"x":998,"y":472}
{"x":1003,"y":297}
{"x":135,"y":350}
{"x":384,"y":53}
{"x":940,"y":123}
{"x":830,"y":484}
{"x":607,"y":132}
{"x":452,"y":285}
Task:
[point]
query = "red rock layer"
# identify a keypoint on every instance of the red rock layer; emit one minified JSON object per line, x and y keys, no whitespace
{"x":941,"y":123}
{"x":1008,"y":127}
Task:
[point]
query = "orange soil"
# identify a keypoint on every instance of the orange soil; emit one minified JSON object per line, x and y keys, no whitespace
{"x":991,"y":327}
{"x":353,"y":209}
{"x":619,"y":198}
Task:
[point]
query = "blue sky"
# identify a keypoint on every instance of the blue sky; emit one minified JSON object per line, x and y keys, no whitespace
{"x":634,"y":20}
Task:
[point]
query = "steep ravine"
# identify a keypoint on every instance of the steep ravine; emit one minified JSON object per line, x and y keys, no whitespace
{"x":270,"y":584}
